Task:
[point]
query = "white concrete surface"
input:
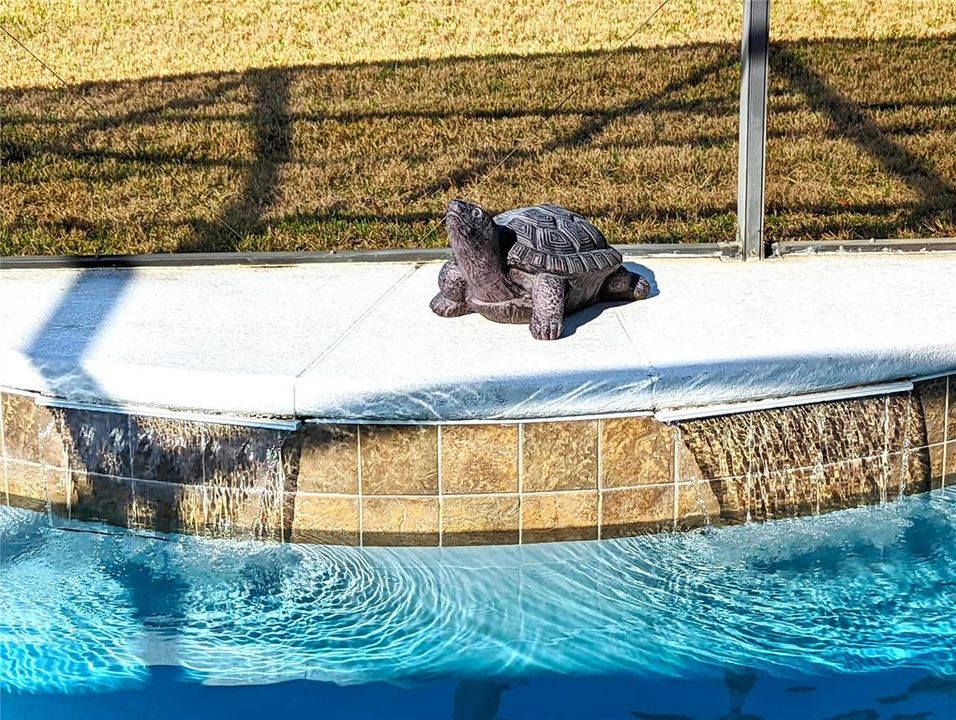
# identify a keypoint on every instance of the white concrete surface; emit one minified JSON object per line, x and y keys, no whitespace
{"x":357,"y":341}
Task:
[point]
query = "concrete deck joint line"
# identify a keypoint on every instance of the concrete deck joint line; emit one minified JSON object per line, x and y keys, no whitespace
{"x":358,"y":321}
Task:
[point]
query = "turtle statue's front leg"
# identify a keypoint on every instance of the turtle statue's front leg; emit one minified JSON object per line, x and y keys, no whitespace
{"x":452,"y":300}
{"x":547,"y":307}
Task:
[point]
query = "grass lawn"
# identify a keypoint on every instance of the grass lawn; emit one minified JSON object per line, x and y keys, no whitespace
{"x":250,"y":126}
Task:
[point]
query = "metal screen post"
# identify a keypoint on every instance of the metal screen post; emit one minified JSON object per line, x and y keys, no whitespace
{"x":752,"y":140}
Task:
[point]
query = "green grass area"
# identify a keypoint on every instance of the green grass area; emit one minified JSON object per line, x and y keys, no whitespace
{"x":366,"y":155}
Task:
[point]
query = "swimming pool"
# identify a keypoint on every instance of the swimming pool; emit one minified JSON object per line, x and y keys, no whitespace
{"x":850,"y":615}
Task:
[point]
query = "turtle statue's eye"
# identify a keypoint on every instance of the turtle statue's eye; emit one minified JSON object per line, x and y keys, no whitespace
{"x":475,"y":213}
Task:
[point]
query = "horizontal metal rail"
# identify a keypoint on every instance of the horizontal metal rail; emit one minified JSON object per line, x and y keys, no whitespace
{"x":909,"y":245}
{"x":728,"y":250}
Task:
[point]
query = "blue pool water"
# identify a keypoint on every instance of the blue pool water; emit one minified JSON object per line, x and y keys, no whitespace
{"x":850,"y":616}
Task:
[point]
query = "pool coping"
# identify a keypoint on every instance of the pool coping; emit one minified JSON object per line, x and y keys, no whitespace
{"x":349,"y":342}
{"x":172,"y":399}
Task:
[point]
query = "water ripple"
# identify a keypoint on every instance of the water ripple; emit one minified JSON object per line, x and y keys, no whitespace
{"x":856,"y":591}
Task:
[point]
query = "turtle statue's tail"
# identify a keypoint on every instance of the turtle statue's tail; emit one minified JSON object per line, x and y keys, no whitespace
{"x":472,"y":233}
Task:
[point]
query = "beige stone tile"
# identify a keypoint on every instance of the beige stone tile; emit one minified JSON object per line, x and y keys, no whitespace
{"x":636,"y":511}
{"x":51,"y":438}
{"x":853,"y":483}
{"x":688,"y":470}
{"x":784,"y":494}
{"x":96,"y":442}
{"x":167,"y":507}
{"x":735,"y":496}
{"x":951,"y":417}
{"x":325,"y":519}
{"x":906,"y":428}
{"x":932,"y":396}
{"x":558,"y":517}
{"x":722,"y":446}
{"x":939,"y":478}
{"x":399,"y":459}
{"x":480,"y":520}
{"x":243,"y":458}
{"x":167,"y":450}
{"x":479,"y":459}
{"x":25,"y":481}
{"x":328,"y":462}
{"x":636,"y":451}
{"x":33,"y":486}
{"x":400,"y":521}
{"x":783,"y":439}
{"x":909,"y":473}
{"x":560,"y":456}
{"x":856,"y":428}
{"x":697,"y":505}
{"x":251,"y":513}
{"x":20,"y":435}
{"x":101,"y":497}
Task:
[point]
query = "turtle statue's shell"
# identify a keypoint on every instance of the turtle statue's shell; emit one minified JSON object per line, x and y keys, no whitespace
{"x":552,"y":239}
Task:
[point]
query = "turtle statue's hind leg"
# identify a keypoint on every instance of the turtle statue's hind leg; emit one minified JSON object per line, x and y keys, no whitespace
{"x":451,"y":301}
{"x":623,"y":284}
{"x":547,"y":307}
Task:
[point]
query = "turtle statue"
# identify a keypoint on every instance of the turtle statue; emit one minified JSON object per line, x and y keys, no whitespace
{"x":530,"y":265}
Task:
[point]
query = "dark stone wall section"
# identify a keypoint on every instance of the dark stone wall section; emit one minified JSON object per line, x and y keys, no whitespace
{"x":813,"y":458}
{"x":458,"y":484}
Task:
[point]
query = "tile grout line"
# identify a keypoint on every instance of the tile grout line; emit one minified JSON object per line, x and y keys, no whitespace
{"x":751,"y":441}
{"x":835,"y":463}
{"x":441,"y":498}
{"x":129,"y":443}
{"x":3,"y":455}
{"x":205,"y":491}
{"x":469,"y":496}
{"x":521,"y":483}
{"x":533,"y":493}
{"x":886,"y":444}
{"x":358,"y":478}
{"x":942,"y":474}
{"x":907,"y":449}
{"x":65,"y":464}
{"x":283,"y":481}
{"x":683,"y":483}
{"x":676,"y":471}
{"x":600,"y":482}
{"x":44,"y":475}
{"x":59,"y":422}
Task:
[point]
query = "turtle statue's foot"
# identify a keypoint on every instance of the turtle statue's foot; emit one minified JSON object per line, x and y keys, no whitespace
{"x":546,"y":328}
{"x":625,"y":285}
{"x":642,"y":288}
{"x":446,"y":307}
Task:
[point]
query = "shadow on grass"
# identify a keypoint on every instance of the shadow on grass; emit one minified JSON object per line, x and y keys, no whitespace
{"x":366,"y":156}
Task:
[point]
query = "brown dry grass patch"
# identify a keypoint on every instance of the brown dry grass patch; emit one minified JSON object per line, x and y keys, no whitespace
{"x":862,"y":138}
{"x":93,"y":40}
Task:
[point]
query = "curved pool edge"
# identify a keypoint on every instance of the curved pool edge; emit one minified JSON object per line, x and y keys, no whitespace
{"x":443,"y":484}
{"x":326,"y":403}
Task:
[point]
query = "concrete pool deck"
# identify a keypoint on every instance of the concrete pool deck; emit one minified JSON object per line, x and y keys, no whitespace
{"x":357,"y":342}
{"x":325,"y":403}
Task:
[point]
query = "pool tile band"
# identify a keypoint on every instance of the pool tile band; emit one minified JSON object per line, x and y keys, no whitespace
{"x":473,"y":483}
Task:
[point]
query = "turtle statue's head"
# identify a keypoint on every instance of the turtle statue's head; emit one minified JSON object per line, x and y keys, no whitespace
{"x":468,"y":223}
